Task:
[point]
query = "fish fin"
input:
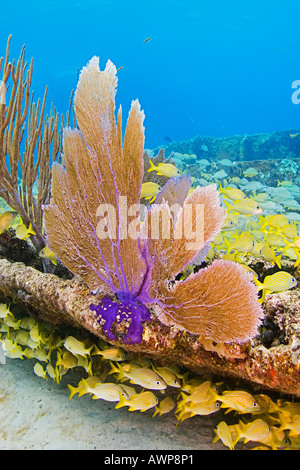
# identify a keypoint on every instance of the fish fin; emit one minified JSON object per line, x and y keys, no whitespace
{"x":73,"y":391}
{"x":216,"y":438}
{"x":152,"y":166}
{"x":122,"y":402}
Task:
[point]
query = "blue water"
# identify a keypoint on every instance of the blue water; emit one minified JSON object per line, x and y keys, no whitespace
{"x":214,"y":68}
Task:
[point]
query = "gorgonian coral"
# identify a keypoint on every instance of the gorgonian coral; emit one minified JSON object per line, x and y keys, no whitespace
{"x":96,"y":227}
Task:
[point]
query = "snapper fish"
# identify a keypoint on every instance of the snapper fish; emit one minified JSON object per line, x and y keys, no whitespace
{"x":149,"y":190}
{"x":278,"y":282}
{"x":108,"y":392}
{"x":23,"y":232}
{"x":269,"y":255}
{"x":48,"y":254}
{"x":165,"y":406}
{"x":238,"y":400}
{"x":4,"y":310}
{"x":223,"y":433}
{"x":203,"y":409}
{"x":110,"y":353}
{"x":198,"y":394}
{"x":168,"y":376}
{"x":142,"y":376}
{"x":164,"y":169}
{"x":250,"y":172}
{"x":257,"y":430}
{"x":84,"y":386}
{"x":6,"y":219}
{"x":246,"y":207}
{"x":234,"y":194}
{"x":139,"y":402}
{"x":243,"y":244}
{"x":77,"y":347}
{"x":40,"y":371}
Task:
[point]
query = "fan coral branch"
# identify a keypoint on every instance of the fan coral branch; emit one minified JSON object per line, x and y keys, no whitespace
{"x":32,"y":158}
{"x":98,"y":188}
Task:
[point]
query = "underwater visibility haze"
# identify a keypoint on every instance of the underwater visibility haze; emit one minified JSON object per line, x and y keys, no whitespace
{"x":211,"y":67}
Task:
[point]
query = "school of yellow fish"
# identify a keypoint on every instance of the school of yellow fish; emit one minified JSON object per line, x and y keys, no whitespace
{"x":251,"y":227}
{"x":109,"y":374}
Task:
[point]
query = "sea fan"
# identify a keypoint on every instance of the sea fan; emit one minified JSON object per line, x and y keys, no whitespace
{"x":134,"y":262}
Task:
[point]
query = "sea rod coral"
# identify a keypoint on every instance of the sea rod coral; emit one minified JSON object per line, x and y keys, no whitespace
{"x":94,"y":193}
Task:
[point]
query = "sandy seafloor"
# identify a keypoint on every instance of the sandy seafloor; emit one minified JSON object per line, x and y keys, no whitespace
{"x":37,"y":414}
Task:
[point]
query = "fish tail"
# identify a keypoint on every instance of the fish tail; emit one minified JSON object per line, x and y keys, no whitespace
{"x":228,"y":205}
{"x":73,"y":391}
{"x":155,"y":412}
{"x":116,"y":370}
{"x":122,"y":402}
{"x":239,"y":429}
{"x":259,"y":284}
{"x":152,"y":166}
{"x":278,"y":261}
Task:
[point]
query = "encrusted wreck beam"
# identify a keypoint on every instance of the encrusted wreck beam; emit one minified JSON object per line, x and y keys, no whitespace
{"x":67,"y":301}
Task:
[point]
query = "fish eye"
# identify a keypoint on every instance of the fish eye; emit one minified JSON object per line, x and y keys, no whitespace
{"x":157,"y":382}
{"x":293,"y":279}
{"x":218,"y":404}
{"x":42,"y":252}
{"x":287,"y":441}
{"x":254,"y":404}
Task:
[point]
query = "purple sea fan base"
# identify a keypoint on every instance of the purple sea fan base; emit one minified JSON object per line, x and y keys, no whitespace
{"x":129,"y":308}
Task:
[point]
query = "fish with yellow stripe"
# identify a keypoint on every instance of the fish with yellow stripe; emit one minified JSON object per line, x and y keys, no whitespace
{"x":278,"y":282}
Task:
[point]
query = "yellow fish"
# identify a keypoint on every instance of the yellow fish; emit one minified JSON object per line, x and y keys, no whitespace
{"x":53,"y":373}
{"x":6,"y":219}
{"x":23,"y":232}
{"x":292,"y":136}
{"x":186,"y":272}
{"x":35,"y":334}
{"x":223,"y":433}
{"x":67,"y":360}
{"x":40,"y":371}
{"x":203,"y":409}
{"x":84,"y":386}
{"x":199,"y":394}
{"x":258,"y":430}
{"x":289,"y":230}
{"x":139,"y":402}
{"x":150,"y":190}
{"x":246,"y":206}
{"x":165,"y":169}
{"x":108,"y":392}
{"x":275,"y":240}
{"x":234,"y":194}
{"x":48,"y":254}
{"x":250,"y":172}
{"x":243,"y":244}
{"x":269,"y":255}
{"x":12,"y":349}
{"x":77,"y":347}
{"x":165,"y":406}
{"x":238,"y":400}
{"x":12,"y":322}
{"x":278,"y":282}
{"x":142,"y":376}
{"x":111,"y":354}
{"x":4,"y":310}
{"x":168,"y":376}
{"x":266,"y":404}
